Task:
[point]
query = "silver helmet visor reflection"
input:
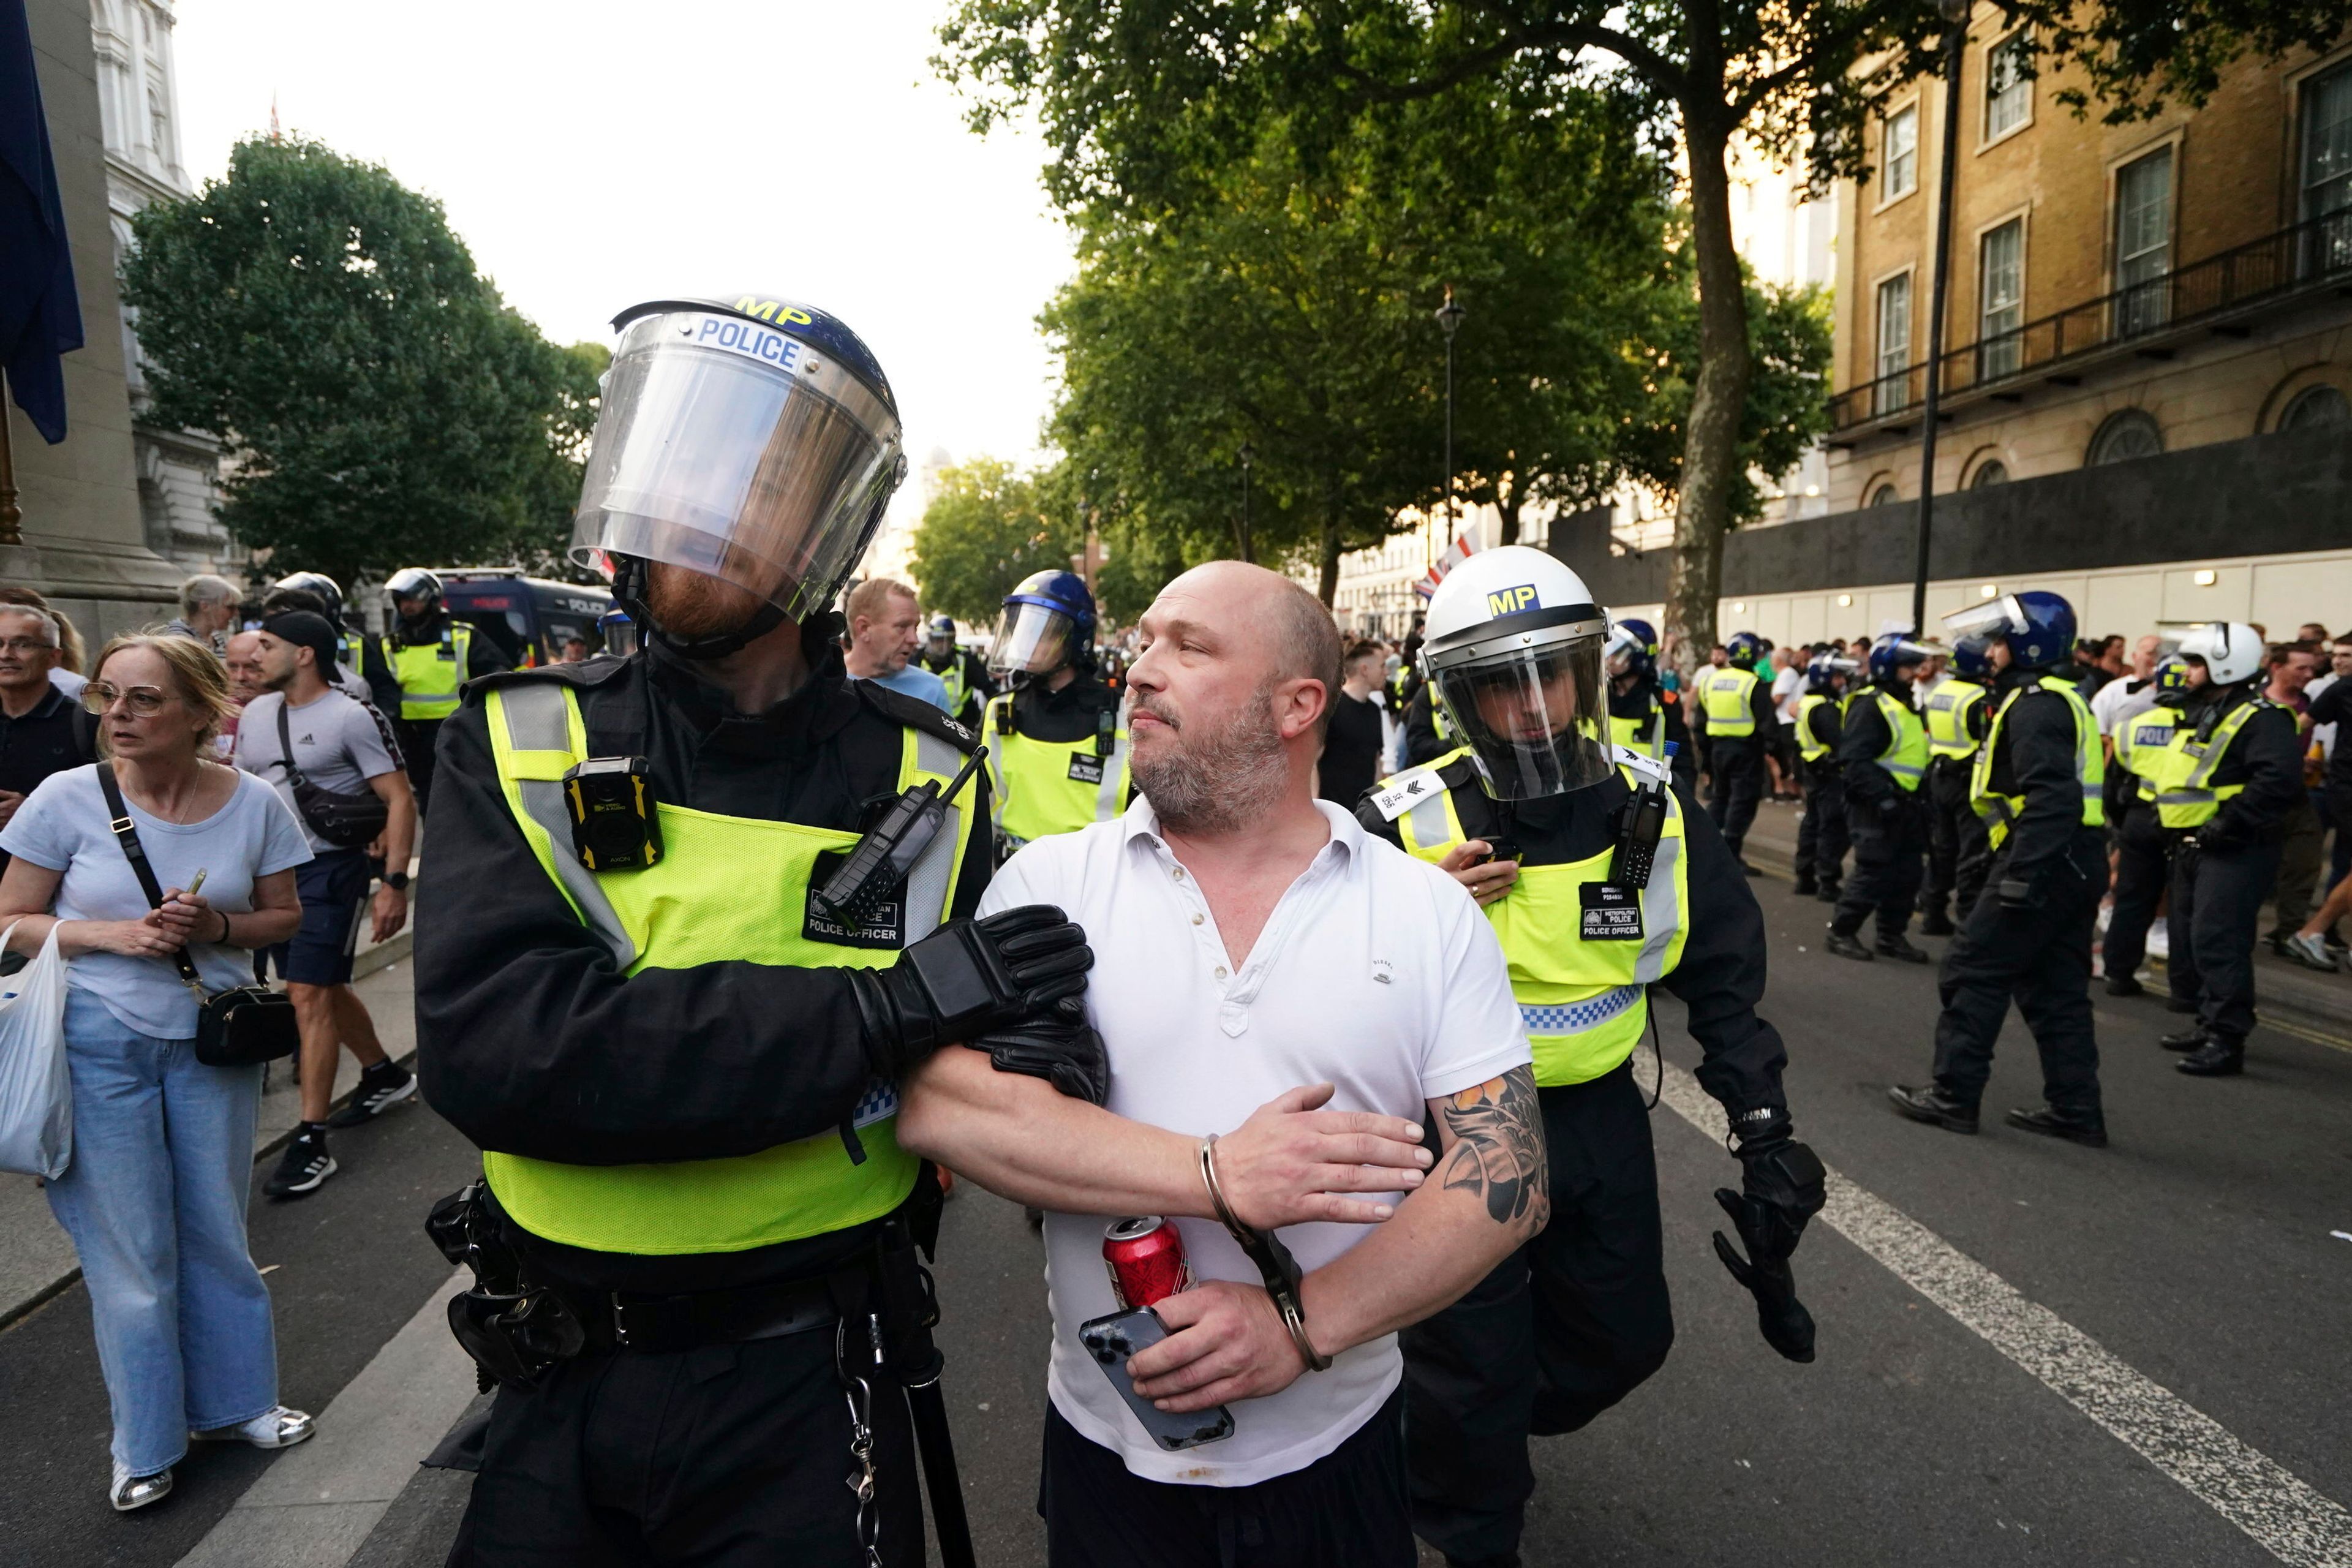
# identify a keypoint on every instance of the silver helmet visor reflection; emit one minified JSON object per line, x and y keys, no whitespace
{"x":1994,"y":618}
{"x":1031,"y":640}
{"x":1534,"y":719}
{"x":736,"y":450}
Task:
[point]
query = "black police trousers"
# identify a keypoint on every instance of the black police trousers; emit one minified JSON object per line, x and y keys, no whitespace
{"x":1821,"y":836}
{"x":2040,"y":955}
{"x":730,"y":1456}
{"x":2217,"y":900}
{"x":2143,"y":864}
{"x":1738,"y":766}
{"x":1958,"y":851}
{"x":417,"y":738}
{"x":1890,"y":852}
{"x":1569,"y":1325}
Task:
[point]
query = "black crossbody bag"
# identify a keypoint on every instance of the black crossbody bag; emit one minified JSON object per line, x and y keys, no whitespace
{"x":345,"y":821}
{"x":242,"y":1027}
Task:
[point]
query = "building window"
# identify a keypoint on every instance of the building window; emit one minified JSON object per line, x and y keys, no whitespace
{"x":2008,"y":84}
{"x":1892,"y":388}
{"x":1883,"y":495}
{"x":2000,"y":274}
{"x":1899,"y":148}
{"x":2143,"y":242}
{"x":1990,"y":473}
{"x":2327,"y":171}
{"x":2316,"y":408}
{"x":2130,"y":434}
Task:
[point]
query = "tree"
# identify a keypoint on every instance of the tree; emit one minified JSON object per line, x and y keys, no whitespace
{"x":987,"y":527}
{"x":1143,"y":100}
{"x":382,"y":406}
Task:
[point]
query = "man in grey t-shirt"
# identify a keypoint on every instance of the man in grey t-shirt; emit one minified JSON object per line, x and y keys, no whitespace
{"x":339,"y":745}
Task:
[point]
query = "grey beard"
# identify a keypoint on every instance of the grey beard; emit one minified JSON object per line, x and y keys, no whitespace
{"x":1218,"y":781}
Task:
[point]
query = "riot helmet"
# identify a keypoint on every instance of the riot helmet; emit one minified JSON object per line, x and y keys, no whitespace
{"x":1896,"y":652}
{"x":619,"y":632}
{"x":2171,"y":681}
{"x":2231,"y":651}
{"x":1049,"y":621}
{"x":1513,"y":652}
{"x":1743,"y":647}
{"x":1632,"y":649}
{"x":2039,"y":628}
{"x":1828,"y":674}
{"x":939,"y":636}
{"x":417,"y":584}
{"x":328,"y":592}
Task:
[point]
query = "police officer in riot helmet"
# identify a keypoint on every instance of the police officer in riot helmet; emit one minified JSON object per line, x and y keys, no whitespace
{"x":2143,"y":851}
{"x":2235,"y":769}
{"x":1821,"y":839}
{"x":2037,"y":784}
{"x":1883,"y":760}
{"x":1600,"y":882}
{"x":674,"y":1020}
{"x":432,"y":654}
{"x":1732,"y":714}
{"x":1956,"y":710}
{"x":963,"y":672}
{"x":1642,"y":714}
{"x":1056,"y":749}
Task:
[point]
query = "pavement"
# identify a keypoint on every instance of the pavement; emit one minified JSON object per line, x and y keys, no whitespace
{"x":2029,"y":1352}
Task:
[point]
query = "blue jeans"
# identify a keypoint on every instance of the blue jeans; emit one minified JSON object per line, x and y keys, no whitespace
{"x":154,"y":1200}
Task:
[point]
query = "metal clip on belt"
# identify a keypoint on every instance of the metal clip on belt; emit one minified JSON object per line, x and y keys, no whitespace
{"x":1276,"y":1266}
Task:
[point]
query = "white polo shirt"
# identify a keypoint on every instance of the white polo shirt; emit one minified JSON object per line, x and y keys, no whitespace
{"x":1375,"y":973}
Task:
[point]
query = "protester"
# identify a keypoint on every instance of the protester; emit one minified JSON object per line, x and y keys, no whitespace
{"x":155,"y":1197}
{"x":885,"y":632}
{"x":2291,"y":666}
{"x":2330,"y":707}
{"x":1788,"y":691}
{"x":1351,"y":749}
{"x":209,"y":607}
{"x":42,"y":731}
{"x":338,"y":745}
{"x":73,"y":658}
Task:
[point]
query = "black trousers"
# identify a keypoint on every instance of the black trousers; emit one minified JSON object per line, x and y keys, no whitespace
{"x":2143,"y":863}
{"x":1569,"y":1325}
{"x":2217,"y":900}
{"x":1821,"y":836}
{"x":1347,"y":1508}
{"x":417,"y":737}
{"x":1958,"y":851}
{"x":1890,"y":852}
{"x":2040,"y":955}
{"x":724,"y":1457}
{"x":1739,"y":779}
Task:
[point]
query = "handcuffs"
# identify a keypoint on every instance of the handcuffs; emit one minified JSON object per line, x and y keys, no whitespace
{"x":1276,"y":1266}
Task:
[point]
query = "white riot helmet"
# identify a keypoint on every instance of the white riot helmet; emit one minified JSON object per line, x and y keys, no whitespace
{"x":2232,"y":651}
{"x":1513,"y":646}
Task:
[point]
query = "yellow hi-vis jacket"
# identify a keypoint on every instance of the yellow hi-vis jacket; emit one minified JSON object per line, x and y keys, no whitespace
{"x":1045,"y":787}
{"x":1997,"y":811}
{"x":2186,"y":795}
{"x":1645,"y":734}
{"x":1946,"y":715}
{"x":1726,"y":697}
{"x":431,"y":673}
{"x":727,"y":889}
{"x":1905,"y":756}
{"x":1810,"y":747}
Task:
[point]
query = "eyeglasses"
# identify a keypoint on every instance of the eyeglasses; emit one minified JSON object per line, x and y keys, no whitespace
{"x":144,"y":702}
{"x":23,"y":646}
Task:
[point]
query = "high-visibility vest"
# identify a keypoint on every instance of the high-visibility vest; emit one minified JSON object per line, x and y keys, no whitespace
{"x":1645,"y":734}
{"x":354,"y":646}
{"x":1810,"y":747}
{"x":1045,"y":787}
{"x":431,"y":673}
{"x":1905,"y":756}
{"x":727,"y":889}
{"x":1947,"y":716}
{"x":957,"y":678}
{"x":1583,"y":1000}
{"x":2186,"y":796}
{"x":1997,"y":811}
{"x":1725,"y":696}
{"x":2143,"y":744}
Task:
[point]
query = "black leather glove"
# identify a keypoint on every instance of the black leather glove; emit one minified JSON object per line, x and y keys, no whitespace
{"x":1065,"y":1052}
{"x":2218,"y":836}
{"x":967,"y":978}
{"x":1782,"y":1183}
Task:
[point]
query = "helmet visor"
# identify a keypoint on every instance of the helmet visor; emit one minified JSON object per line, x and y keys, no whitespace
{"x":1994,"y":618}
{"x":1032,"y":639}
{"x":1534,"y":717}
{"x":1624,"y":649}
{"x":731,"y":449}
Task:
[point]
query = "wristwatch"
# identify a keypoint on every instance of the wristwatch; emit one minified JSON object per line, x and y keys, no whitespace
{"x":396,"y":880}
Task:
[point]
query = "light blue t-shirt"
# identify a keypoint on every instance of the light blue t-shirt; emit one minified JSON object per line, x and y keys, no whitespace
{"x":915,"y":681}
{"x":63,"y":826}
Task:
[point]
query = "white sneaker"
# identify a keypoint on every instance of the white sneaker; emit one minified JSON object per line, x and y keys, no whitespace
{"x":276,"y":1428}
{"x":2311,"y":951}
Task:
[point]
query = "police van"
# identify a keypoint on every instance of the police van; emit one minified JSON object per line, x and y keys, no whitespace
{"x":529,"y":618}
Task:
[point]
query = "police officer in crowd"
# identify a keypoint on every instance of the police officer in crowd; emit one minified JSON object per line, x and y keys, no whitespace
{"x":1643,"y":716}
{"x":1956,"y":713}
{"x":960,"y":671}
{"x":1883,"y":755}
{"x":2037,"y":784}
{"x":366,"y":673}
{"x":431,"y":654}
{"x":1427,"y":735}
{"x":1821,"y":836}
{"x":1599,"y":882}
{"x":2236,"y":771}
{"x":693,"y":1238}
{"x":2143,"y":852}
{"x":1733,"y":715}
{"x":1056,"y":749}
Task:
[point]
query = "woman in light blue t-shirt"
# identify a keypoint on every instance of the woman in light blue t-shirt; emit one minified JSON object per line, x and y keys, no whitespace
{"x":163,"y":1145}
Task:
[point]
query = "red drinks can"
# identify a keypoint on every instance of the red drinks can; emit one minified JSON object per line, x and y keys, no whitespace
{"x":1146,"y":1260}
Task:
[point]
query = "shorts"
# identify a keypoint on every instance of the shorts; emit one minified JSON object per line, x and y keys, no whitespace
{"x":333,"y":886}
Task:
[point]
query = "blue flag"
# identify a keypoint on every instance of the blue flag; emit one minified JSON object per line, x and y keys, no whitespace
{"x":40,"y":315}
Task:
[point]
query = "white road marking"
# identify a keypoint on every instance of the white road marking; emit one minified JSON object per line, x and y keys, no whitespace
{"x":2285,"y":1517}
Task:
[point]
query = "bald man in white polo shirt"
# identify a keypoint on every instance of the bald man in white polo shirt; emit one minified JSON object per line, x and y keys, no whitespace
{"x":1254,"y":951}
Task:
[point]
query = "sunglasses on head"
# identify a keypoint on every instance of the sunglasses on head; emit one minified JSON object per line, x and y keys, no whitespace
{"x":144,"y":702}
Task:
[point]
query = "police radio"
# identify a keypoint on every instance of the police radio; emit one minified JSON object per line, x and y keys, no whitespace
{"x":1641,"y":822}
{"x":883,"y":858}
{"x":615,"y":821}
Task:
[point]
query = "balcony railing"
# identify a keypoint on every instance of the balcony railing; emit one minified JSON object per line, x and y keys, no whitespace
{"x":2310,"y":254}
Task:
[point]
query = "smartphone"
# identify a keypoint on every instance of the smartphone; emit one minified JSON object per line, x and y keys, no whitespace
{"x":1111,"y":1341}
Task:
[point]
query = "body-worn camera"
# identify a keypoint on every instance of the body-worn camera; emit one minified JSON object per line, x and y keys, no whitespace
{"x":615,"y":820}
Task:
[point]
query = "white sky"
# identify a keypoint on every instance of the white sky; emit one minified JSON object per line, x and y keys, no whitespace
{"x":594,"y":154}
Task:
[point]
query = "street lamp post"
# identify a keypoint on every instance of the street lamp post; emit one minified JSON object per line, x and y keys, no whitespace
{"x":1248,"y":455}
{"x":1954,"y":13}
{"x":1449,"y":321}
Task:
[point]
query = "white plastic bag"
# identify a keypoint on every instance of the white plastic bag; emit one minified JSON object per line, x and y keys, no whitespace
{"x":35,"y":1092}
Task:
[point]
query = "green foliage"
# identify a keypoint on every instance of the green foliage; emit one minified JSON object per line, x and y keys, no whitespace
{"x":988,"y":526}
{"x":384,"y":406}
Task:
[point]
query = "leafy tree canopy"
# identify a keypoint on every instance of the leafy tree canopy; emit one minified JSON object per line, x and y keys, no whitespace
{"x":988,"y":526}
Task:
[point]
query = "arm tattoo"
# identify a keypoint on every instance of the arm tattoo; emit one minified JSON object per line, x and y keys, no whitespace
{"x":1499,"y":1151}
